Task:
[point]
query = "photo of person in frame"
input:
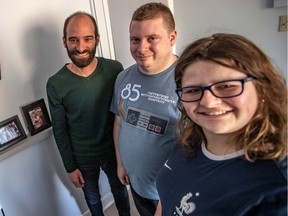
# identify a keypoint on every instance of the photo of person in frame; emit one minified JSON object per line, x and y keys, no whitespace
{"x":37,"y":117}
{"x":8,"y":133}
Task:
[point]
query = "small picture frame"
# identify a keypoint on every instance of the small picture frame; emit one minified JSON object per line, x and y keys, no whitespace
{"x":11,"y":132}
{"x":36,"y":116}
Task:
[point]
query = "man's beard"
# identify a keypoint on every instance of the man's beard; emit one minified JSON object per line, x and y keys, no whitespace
{"x":81,"y":62}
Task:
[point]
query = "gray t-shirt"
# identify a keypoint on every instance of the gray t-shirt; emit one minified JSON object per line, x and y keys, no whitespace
{"x":147,"y":106}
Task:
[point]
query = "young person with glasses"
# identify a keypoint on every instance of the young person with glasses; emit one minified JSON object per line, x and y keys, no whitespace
{"x":231,"y":158}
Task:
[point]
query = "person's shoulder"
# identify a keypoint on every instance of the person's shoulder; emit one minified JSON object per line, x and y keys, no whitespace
{"x":130,"y":69}
{"x":108,"y":61}
{"x":274,"y":170}
{"x":282,"y":167}
{"x":60,"y":73}
{"x":127,"y":71}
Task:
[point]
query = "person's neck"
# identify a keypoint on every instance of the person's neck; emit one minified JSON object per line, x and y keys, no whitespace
{"x":153,"y":71}
{"x":220,"y":144}
{"x":85,"y":71}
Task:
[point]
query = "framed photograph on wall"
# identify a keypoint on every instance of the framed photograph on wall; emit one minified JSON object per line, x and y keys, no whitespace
{"x":11,"y":132}
{"x":36,"y":116}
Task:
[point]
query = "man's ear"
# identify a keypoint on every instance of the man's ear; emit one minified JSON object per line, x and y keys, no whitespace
{"x":64,"y":42}
{"x":173,"y":36}
{"x":97,"y":39}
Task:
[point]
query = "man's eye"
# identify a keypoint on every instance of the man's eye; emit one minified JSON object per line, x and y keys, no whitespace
{"x":73,"y":40}
{"x":151,"y":39}
{"x":134,"y":40}
{"x":88,"y":39}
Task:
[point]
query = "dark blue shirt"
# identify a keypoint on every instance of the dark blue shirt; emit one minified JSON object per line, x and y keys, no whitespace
{"x":210,"y":185}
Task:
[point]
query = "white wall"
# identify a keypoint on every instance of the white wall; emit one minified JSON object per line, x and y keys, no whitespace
{"x":33,"y":182}
{"x":256,"y":20}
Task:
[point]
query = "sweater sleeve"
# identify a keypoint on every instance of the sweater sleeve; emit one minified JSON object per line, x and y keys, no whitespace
{"x":60,"y":130}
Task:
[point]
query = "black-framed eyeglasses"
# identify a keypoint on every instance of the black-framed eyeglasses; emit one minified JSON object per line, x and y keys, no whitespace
{"x":223,"y":89}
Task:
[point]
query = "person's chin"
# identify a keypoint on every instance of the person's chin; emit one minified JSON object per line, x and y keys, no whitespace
{"x":143,"y":63}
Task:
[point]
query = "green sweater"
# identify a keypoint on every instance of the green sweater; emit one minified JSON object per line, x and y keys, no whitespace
{"x":79,"y":108}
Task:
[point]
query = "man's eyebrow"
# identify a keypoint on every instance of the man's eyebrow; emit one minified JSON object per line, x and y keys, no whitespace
{"x":72,"y":37}
{"x":147,"y":36}
{"x":89,"y":36}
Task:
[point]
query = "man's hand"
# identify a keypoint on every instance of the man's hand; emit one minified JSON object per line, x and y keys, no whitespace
{"x":121,"y":171}
{"x":77,"y":178}
{"x":122,"y":175}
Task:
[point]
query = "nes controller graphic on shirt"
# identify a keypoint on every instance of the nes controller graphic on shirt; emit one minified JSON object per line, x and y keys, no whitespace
{"x":147,"y":121}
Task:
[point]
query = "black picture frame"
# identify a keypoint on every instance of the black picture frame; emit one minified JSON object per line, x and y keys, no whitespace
{"x":36,"y":116}
{"x":11,"y":132}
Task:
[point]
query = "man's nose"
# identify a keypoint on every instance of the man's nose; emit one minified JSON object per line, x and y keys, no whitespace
{"x":81,"y":46}
{"x":143,"y":46}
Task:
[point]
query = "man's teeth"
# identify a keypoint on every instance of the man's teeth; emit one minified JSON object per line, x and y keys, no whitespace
{"x":82,"y":54}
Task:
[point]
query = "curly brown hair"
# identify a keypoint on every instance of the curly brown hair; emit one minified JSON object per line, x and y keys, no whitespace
{"x":265,"y":136}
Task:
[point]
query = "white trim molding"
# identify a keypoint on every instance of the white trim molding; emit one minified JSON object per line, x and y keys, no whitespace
{"x":100,"y":10}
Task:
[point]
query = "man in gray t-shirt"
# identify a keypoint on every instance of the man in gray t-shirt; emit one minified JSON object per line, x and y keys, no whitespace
{"x":145,"y":104}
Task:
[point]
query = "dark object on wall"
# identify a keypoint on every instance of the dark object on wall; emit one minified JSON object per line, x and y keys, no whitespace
{"x":11,"y":132}
{"x":36,"y":116}
{"x":2,"y":211}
